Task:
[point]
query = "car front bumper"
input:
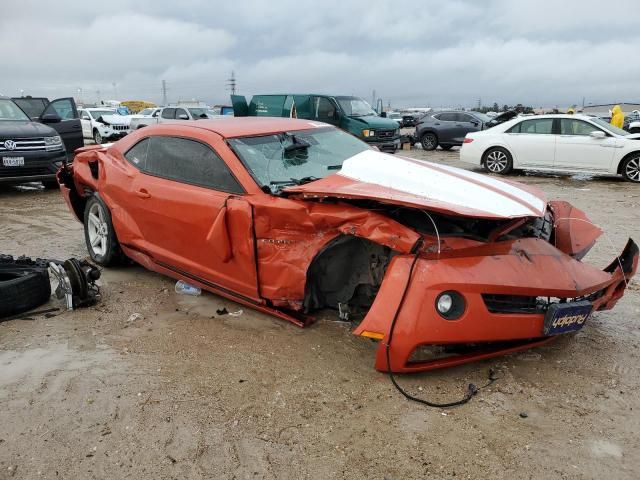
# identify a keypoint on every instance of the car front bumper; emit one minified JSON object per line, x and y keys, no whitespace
{"x":508,"y":271}
{"x":38,"y":166}
{"x":385,"y":145}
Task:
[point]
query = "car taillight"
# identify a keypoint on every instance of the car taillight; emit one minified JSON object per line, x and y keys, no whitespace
{"x":467,"y":140}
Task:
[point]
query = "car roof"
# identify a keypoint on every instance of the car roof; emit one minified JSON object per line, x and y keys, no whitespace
{"x":230,"y":127}
{"x":558,"y":115}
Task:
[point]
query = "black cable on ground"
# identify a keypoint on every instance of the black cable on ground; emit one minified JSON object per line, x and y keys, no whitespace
{"x":471,"y":388}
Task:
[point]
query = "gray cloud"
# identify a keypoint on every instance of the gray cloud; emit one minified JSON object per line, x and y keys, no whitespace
{"x":411,"y":52}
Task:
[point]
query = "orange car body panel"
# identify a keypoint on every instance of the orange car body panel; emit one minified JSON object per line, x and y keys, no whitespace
{"x":256,"y":248}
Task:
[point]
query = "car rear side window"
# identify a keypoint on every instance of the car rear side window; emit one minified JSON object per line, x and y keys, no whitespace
{"x":539,"y":126}
{"x":168,"y":113}
{"x":189,"y":161}
{"x":137,"y":155}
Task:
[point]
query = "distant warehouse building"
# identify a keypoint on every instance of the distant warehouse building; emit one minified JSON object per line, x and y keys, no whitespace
{"x":605,"y":108}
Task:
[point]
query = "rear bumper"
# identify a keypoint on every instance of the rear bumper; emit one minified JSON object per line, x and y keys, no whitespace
{"x":528,"y":268}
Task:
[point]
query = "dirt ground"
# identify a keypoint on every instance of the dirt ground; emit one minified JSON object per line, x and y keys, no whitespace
{"x":183,"y":393}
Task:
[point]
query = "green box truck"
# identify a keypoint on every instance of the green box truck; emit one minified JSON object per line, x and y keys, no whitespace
{"x":351,"y":114}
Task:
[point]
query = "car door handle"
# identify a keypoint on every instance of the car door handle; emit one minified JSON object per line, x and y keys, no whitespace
{"x":142,"y":193}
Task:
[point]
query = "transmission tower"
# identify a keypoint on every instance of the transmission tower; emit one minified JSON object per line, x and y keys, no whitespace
{"x":164,"y":92}
{"x":231,"y":83}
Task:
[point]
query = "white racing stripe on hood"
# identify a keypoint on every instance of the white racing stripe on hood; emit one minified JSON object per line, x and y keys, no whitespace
{"x":442,"y":183}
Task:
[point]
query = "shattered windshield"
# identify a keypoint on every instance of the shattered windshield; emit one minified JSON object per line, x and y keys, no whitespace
{"x":355,"y":107}
{"x":293,"y":158}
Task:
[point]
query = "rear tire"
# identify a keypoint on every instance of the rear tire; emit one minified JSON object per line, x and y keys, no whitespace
{"x":429,"y":141}
{"x":497,"y":160}
{"x":631,"y":168}
{"x":22,"y":286}
{"x":99,"y":234}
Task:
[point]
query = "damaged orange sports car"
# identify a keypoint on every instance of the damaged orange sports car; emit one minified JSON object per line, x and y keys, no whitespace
{"x":291,"y":216}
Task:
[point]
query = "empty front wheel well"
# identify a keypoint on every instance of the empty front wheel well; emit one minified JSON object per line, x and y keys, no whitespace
{"x":346,"y":274}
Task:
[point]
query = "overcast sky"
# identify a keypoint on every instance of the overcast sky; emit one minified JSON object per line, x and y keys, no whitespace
{"x":415,"y":53}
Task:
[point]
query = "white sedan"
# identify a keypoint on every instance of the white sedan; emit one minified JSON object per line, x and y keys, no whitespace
{"x":555,"y":143}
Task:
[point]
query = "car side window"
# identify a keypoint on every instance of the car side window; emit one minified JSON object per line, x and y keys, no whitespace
{"x":325,"y":111}
{"x":62,"y":107}
{"x":84,"y":115}
{"x":181,"y":111}
{"x":189,"y":161}
{"x":569,"y":126}
{"x":168,"y":113}
{"x":137,"y":155}
{"x":447,"y":117}
{"x":463,"y":117}
{"x":539,"y":126}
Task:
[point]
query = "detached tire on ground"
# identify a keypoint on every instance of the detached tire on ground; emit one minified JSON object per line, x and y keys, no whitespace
{"x":24,"y":285}
{"x":497,"y":160}
{"x":99,"y":234}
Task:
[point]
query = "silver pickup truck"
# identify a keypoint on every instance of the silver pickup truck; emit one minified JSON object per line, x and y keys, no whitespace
{"x":171,"y":114}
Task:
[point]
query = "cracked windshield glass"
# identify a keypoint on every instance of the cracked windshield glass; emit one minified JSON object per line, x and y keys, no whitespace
{"x":293,"y":158}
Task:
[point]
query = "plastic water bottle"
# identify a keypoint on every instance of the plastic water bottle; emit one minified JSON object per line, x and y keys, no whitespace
{"x":186,"y":289}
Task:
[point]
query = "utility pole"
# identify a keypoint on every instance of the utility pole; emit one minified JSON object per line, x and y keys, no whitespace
{"x":373,"y":97}
{"x":231,"y":83}
{"x":164,"y":92}
{"x":115,"y":91}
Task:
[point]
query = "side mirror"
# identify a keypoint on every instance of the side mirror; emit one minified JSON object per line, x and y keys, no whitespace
{"x":51,"y":118}
{"x":183,"y":116}
{"x":597,"y":134}
{"x":383,"y":114}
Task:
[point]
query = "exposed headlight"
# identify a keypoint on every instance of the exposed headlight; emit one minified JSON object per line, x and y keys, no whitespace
{"x":450,"y":305}
{"x":368,"y":133}
{"x":51,"y":141}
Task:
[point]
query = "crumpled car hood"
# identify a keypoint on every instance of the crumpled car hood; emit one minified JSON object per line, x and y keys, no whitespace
{"x":403,"y":181}
{"x":116,"y":119}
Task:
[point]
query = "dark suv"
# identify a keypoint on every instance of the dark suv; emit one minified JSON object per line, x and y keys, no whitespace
{"x":448,"y":129}
{"x":32,"y":149}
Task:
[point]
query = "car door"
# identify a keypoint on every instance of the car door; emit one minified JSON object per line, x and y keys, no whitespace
{"x":85,"y":121}
{"x":465,"y":123}
{"x":69,"y":127}
{"x":577,"y":149}
{"x":175,"y":202}
{"x":445,"y":127}
{"x":532,"y":143}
